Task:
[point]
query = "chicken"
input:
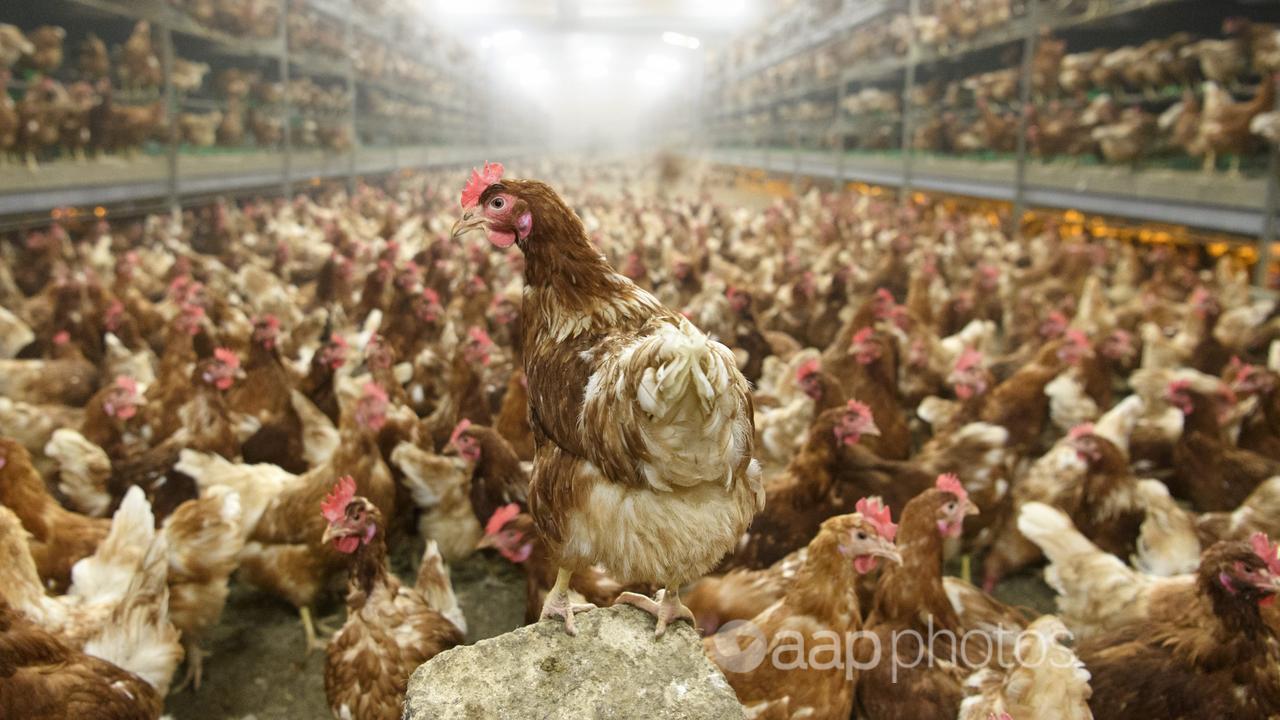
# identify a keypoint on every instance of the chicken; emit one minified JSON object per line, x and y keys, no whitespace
{"x":59,"y":537}
{"x":1197,"y":645}
{"x":498,"y":478}
{"x":84,"y":472}
{"x":200,"y":130}
{"x":283,"y":554}
{"x":911,"y":604}
{"x":1262,"y":41}
{"x":441,"y":488}
{"x":42,"y":678}
{"x":139,"y":66}
{"x":1087,"y":475}
{"x":14,"y":45}
{"x":46,"y":57}
{"x":188,"y":76}
{"x":820,"y":602}
{"x":513,"y":418}
{"x":117,"y":607}
{"x":1221,"y":61}
{"x":66,"y":382}
{"x":390,"y":629}
{"x":95,"y":63}
{"x":1224,"y":125}
{"x":1209,"y":470}
{"x":1126,"y":141}
{"x":674,"y":400}
{"x":204,"y":537}
{"x":1048,"y":681}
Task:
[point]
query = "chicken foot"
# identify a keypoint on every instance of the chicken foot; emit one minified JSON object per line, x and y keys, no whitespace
{"x":195,"y":667}
{"x":309,"y":628}
{"x":665,"y":606}
{"x":559,"y":604}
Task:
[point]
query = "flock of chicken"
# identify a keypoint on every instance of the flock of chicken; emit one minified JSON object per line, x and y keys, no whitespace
{"x":111,"y":103}
{"x":293,"y":389}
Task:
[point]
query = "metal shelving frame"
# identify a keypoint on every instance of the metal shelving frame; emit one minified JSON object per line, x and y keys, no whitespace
{"x":457,"y":120}
{"x":1256,"y":222}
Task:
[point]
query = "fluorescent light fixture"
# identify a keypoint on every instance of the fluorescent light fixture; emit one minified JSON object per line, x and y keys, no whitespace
{"x":716,"y":8}
{"x":681,"y":40}
{"x":595,"y":72}
{"x":661,"y":63}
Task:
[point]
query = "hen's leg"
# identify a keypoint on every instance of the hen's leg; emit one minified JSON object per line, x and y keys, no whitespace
{"x":195,"y":667}
{"x":665,"y":606}
{"x":558,"y":603}
{"x":309,"y":628}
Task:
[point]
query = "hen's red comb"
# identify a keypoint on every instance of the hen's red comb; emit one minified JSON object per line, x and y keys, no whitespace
{"x":374,"y":390}
{"x":948,"y":482}
{"x":334,"y":506}
{"x":873,"y":511}
{"x":462,"y":427}
{"x":500,"y":518}
{"x":479,"y":182}
{"x":862,"y":335}
{"x":1078,"y":337}
{"x":227,"y":357}
{"x":128,"y":384}
{"x":1080,"y":431}
{"x":1267,"y":550}
{"x":480,"y":337}
{"x":968,"y":360}
{"x":432,"y":296}
{"x":860,"y":408}
{"x":807,"y":368}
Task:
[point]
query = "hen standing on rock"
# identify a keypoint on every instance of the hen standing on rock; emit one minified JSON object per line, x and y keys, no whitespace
{"x":642,"y":425}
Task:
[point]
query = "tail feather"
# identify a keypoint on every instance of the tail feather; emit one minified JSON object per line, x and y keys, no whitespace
{"x":139,"y":637}
{"x":256,"y":485}
{"x":434,"y":584}
{"x":1167,"y":543}
{"x":107,"y":573}
{"x":1053,"y":531}
{"x":1117,"y":424}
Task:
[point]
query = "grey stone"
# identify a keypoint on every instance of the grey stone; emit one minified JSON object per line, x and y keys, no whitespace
{"x":614,"y":669}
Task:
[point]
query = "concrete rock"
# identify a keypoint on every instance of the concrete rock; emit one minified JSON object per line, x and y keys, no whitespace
{"x":614,"y":669}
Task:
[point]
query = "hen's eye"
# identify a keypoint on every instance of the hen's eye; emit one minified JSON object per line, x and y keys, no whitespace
{"x":862,"y":535}
{"x":497,"y":203}
{"x":951,"y":506}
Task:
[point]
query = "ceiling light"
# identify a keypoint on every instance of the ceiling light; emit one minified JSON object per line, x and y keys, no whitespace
{"x":681,"y":40}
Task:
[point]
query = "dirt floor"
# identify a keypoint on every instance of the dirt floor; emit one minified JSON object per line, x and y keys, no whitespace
{"x":259,"y":670}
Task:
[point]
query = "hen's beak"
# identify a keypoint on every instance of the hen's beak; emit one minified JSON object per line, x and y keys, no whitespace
{"x":487,"y":542}
{"x":970,"y":508}
{"x":886,"y":550}
{"x":872,"y":429}
{"x":333,"y":532}
{"x":469,"y":221}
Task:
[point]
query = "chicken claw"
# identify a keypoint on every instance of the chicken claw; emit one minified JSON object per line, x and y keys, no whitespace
{"x":195,"y":668}
{"x":665,"y":606}
{"x":558,"y":604}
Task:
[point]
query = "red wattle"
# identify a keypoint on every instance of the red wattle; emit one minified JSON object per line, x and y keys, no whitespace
{"x":502,"y":239}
